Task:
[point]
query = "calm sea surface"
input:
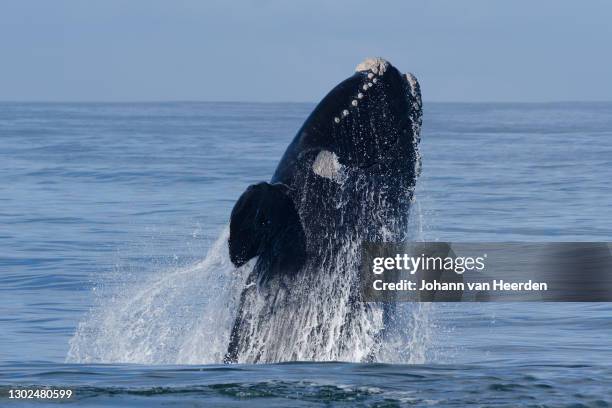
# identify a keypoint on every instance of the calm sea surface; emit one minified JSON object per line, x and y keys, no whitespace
{"x":97,"y":199}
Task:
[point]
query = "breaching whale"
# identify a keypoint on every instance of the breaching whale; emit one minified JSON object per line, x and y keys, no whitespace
{"x":347,"y":177}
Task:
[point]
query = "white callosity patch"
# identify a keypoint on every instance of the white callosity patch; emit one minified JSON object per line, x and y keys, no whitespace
{"x":376,"y":65}
{"x":412,"y":81}
{"x":326,"y":165}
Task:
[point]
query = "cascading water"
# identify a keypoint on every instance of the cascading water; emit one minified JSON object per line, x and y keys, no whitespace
{"x":185,"y":315}
{"x":176,"y":316}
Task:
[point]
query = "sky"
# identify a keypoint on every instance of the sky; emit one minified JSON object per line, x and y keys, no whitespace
{"x":279,"y":50}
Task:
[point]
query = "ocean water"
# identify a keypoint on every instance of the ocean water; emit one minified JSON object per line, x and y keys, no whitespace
{"x":113,"y":279}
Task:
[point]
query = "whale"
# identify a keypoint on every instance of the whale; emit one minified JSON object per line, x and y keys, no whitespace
{"x":348,"y":177}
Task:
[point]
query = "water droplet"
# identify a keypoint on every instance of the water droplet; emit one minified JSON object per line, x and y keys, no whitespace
{"x":337,"y":120}
{"x":359,"y":95}
{"x":345,"y":112}
{"x":354,"y":103}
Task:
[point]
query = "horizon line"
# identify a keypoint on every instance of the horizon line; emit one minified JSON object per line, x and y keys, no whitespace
{"x":286,"y":102}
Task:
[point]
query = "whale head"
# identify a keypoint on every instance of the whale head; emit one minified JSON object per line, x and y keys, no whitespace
{"x":371,"y":120}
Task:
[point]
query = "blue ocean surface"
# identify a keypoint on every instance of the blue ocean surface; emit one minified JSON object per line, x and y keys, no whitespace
{"x":112,"y":220}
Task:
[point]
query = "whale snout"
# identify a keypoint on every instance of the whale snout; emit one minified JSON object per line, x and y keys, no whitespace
{"x":402,"y":85}
{"x":376,"y":113}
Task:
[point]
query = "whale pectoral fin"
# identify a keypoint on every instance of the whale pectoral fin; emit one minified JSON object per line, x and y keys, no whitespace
{"x":264,"y":220}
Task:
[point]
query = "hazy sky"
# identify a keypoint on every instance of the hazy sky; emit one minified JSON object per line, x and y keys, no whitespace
{"x":280,"y":50}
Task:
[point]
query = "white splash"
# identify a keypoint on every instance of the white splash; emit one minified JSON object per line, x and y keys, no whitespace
{"x":184,"y":316}
{"x":181,"y":316}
